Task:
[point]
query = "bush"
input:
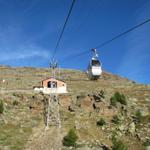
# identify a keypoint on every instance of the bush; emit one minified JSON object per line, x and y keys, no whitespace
{"x":138,"y":116}
{"x":70,"y":139}
{"x":117,"y":97}
{"x":101,"y":122}
{"x":102,"y":94}
{"x":115,"y":119}
{"x":121,"y":98}
{"x":118,"y":145}
{"x":113,"y":101}
{"x":146,"y":143}
{"x":15,"y":103}
{"x":1,"y":107}
{"x":14,"y":94}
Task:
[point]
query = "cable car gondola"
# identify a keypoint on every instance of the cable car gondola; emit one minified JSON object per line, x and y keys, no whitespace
{"x":94,"y":69}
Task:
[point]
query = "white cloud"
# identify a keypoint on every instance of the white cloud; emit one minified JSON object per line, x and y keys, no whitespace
{"x":14,"y":46}
{"x":24,"y":52}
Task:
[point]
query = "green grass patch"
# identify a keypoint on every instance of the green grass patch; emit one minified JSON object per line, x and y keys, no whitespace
{"x":13,"y":136}
{"x":118,"y":144}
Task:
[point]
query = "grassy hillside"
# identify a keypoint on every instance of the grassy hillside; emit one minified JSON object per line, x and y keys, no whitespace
{"x":91,"y":108}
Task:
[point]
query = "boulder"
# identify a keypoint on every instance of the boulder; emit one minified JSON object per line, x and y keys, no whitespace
{"x":147,"y":148}
{"x":131,"y":128}
{"x":144,"y":112}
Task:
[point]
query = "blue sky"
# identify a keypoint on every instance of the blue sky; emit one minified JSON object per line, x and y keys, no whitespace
{"x":29,"y":30}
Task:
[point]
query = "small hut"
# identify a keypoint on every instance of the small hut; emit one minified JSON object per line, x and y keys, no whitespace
{"x":52,"y":85}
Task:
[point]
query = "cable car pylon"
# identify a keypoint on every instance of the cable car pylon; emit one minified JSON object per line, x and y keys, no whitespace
{"x":53,"y":110}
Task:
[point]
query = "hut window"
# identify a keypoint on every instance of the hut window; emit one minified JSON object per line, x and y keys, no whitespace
{"x":52,"y":84}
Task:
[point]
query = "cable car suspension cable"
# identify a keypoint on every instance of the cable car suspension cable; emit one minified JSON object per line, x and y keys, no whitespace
{"x":108,"y":41}
{"x":63,"y":29}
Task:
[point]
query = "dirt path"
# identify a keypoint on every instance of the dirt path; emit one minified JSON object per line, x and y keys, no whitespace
{"x":42,"y":139}
{"x":4,"y":91}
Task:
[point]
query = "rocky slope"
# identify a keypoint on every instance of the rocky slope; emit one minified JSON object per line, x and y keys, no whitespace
{"x":83,"y":108}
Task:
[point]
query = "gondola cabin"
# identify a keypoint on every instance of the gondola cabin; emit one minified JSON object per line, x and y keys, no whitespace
{"x":94,"y":69}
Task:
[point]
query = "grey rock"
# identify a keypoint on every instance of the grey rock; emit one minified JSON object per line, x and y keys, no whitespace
{"x":144,"y":112}
{"x":147,"y":147}
{"x":132,"y":128}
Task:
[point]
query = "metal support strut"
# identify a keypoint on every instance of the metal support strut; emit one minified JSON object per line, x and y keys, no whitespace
{"x":52,"y":111}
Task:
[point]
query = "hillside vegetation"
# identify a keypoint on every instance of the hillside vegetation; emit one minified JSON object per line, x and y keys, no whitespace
{"x":112,"y":113}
